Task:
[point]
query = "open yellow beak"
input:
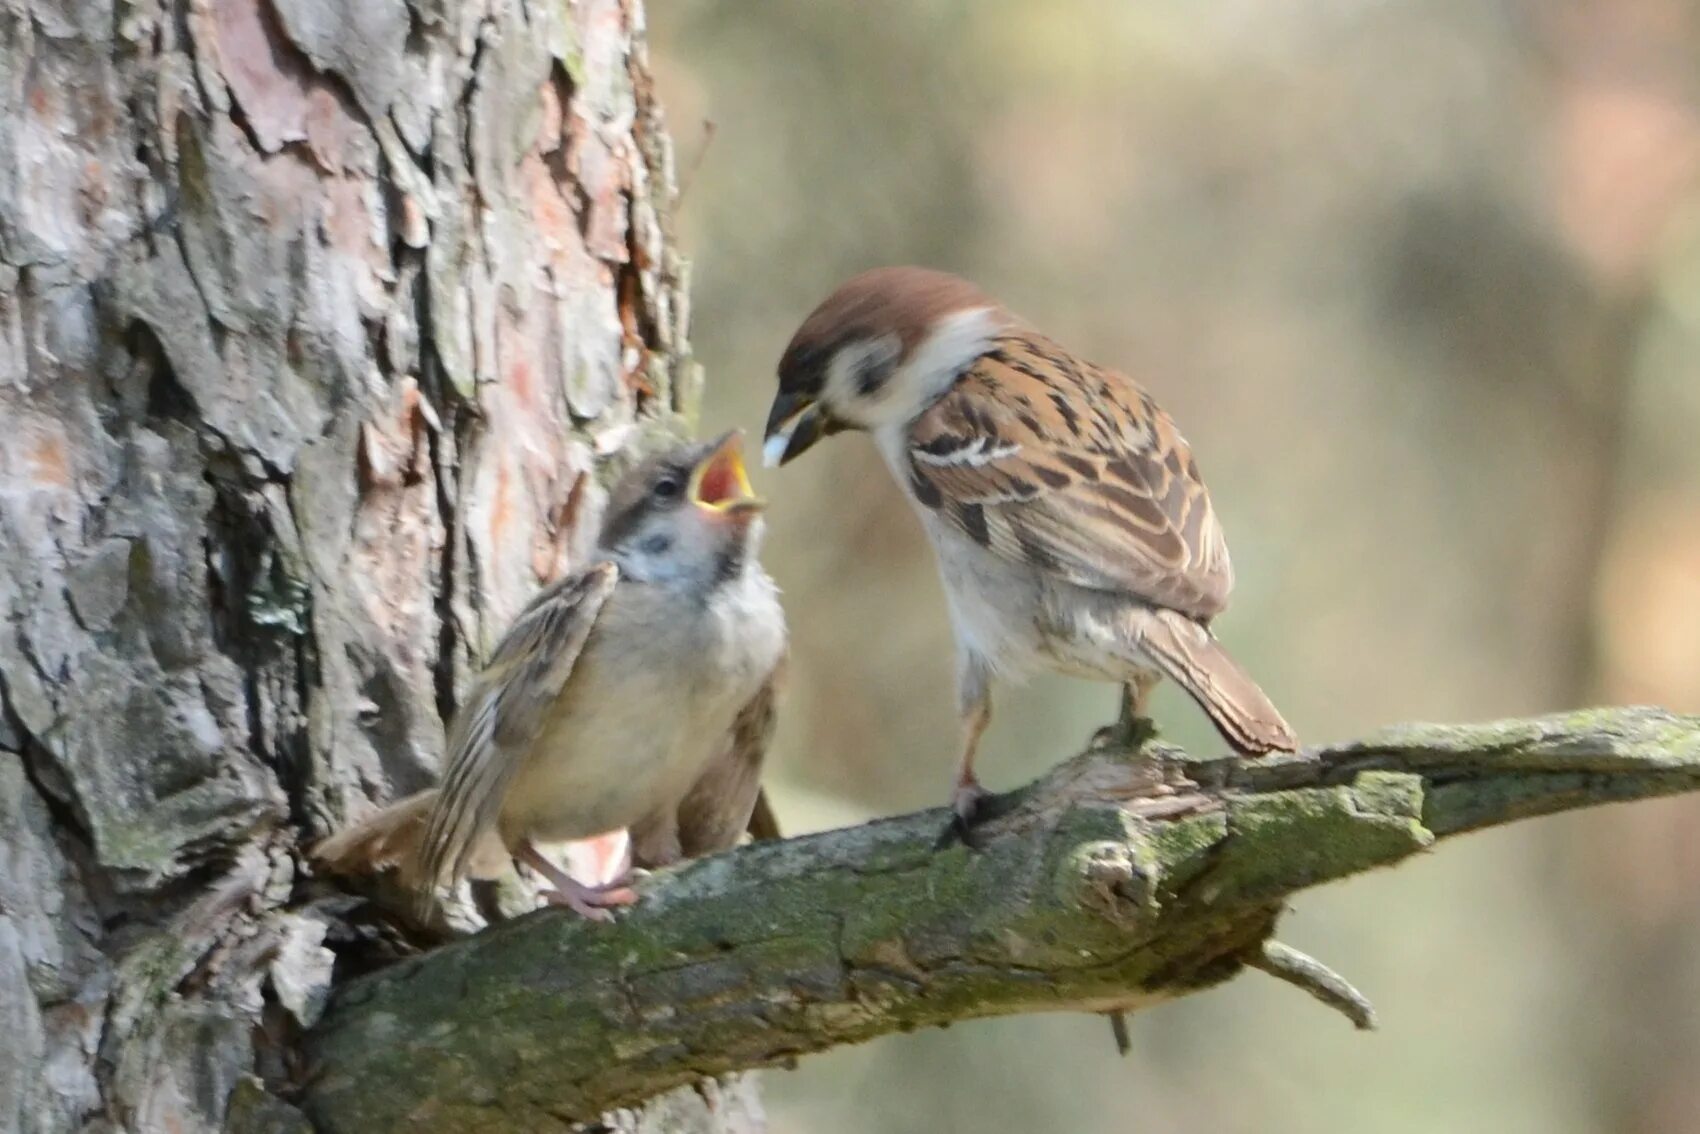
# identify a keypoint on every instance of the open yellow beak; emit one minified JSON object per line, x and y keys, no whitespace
{"x":719,"y":482}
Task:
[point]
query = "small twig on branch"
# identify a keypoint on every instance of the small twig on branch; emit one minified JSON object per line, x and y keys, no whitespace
{"x":1118,"y":1031}
{"x":1301,"y":970}
{"x":1118,"y":880}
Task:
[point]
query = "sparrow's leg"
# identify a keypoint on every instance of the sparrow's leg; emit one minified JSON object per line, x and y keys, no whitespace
{"x":1136,"y":723}
{"x":967,"y":795}
{"x":1137,"y":692}
{"x":593,"y":902}
{"x":1133,"y":726}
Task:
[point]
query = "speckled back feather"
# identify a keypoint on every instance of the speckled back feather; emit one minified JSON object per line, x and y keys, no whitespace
{"x":1073,"y":469}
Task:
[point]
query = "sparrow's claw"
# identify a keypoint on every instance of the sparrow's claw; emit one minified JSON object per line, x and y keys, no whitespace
{"x":616,"y":896}
{"x":625,"y":881}
{"x":592,"y":902}
{"x":1134,"y":726}
{"x":968,"y":809}
{"x":956,"y":831}
{"x":1128,"y":732}
{"x":595,"y":903}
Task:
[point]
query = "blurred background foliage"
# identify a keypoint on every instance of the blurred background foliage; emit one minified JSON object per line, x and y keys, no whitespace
{"x":1421,"y":283}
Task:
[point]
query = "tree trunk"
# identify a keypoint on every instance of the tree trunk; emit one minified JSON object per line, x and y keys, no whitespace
{"x":315,"y":319}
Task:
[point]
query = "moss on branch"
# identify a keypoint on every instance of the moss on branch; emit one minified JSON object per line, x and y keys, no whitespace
{"x":1117,"y":880}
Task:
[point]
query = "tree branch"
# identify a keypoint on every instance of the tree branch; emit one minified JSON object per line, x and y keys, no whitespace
{"x":1115,"y":881}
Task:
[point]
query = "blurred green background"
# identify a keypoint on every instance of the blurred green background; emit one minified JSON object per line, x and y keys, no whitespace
{"x":1421,"y":283}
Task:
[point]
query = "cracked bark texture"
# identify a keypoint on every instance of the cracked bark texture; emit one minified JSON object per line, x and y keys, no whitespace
{"x":1118,"y":880}
{"x":316,"y":320}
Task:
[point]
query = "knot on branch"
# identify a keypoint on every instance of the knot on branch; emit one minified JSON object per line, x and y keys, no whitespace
{"x":1106,"y":878}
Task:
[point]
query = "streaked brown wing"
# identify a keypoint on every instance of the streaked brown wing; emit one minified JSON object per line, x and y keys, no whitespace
{"x":504,"y":712}
{"x":1072,"y":468}
{"x":727,"y":799}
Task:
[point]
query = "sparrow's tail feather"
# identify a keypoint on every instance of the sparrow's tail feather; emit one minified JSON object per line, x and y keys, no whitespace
{"x":390,"y":839}
{"x":1187,"y":653}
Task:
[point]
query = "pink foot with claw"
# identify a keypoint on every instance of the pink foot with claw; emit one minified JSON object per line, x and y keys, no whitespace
{"x":595,"y":902}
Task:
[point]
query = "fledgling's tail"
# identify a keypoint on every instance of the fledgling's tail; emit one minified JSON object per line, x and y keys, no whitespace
{"x":387,"y":839}
{"x":1186,"y":652}
{"x":392,"y":839}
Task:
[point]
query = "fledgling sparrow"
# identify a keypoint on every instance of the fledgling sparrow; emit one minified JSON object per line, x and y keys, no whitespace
{"x":637,"y":694}
{"x":1071,"y":527}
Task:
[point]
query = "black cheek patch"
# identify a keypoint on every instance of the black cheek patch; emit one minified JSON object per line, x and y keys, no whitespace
{"x":872,"y":377}
{"x":875,"y":368}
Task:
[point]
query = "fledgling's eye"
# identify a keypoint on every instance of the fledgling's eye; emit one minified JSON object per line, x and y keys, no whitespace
{"x":669,"y":486}
{"x":656,"y":545}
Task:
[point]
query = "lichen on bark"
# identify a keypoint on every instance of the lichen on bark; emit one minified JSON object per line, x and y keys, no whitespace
{"x":1117,"y":880}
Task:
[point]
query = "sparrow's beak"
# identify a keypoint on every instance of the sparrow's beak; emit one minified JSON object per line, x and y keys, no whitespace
{"x":719,"y":483}
{"x":794,"y":424}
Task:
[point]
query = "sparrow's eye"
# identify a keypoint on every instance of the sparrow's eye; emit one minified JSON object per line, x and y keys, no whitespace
{"x":669,"y":486}
{"x":656,"y":545}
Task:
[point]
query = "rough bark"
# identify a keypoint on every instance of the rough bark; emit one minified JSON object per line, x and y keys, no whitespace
{"x":315,"y":319}
{"x":1116,"y":881}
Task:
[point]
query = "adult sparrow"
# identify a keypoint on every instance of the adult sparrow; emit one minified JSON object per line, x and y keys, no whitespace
{"x":636,"y":694}
{"x":1071,"y":527}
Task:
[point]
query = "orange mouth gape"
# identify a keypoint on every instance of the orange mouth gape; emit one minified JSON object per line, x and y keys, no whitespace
{"x":720,"y":483}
